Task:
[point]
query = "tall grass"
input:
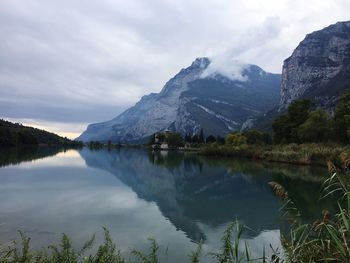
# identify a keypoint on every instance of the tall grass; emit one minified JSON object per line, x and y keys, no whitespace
{"x":61,"y":253}
{"x":326,"y":239}
{"x":233,"y":250}
{"x":151,"y":257}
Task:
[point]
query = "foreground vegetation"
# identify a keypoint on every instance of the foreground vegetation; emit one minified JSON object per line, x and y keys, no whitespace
{"x":324,"y":240}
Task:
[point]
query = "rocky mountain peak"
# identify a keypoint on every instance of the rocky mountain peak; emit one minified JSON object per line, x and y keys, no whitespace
{"x":319,"y":68}
{"x":202,"y":62}
{"x":190,"y":102}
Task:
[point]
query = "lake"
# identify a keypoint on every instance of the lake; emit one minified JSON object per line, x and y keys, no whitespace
{"x":179,"y":199}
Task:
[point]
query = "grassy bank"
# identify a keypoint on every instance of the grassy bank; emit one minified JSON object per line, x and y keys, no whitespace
{"x":302,"y":154}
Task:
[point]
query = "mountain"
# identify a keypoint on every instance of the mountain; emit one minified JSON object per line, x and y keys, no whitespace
{"x":193,"y":100}
{"x":319,"y":68}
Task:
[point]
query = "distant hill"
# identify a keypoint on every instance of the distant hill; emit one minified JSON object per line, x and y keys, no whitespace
{"x":191,"y":101}
{"x":16,"y":134}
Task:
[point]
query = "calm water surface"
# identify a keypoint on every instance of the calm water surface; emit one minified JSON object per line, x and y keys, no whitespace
{"x":176,"y":198}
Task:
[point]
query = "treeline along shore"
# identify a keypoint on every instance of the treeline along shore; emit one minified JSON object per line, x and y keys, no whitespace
{"x":302,"y":135}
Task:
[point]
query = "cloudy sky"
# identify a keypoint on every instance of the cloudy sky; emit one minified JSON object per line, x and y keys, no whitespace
{"x":67,"y":63}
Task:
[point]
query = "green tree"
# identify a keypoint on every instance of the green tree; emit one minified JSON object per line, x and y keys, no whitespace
{"x":152,"y":139}
{"x":220,"y":140}
{"x":174,"y":140}
{"x":285,"y":127}
{"x":188,"y":137}
{"x":316,"y":128}
{"x":201,"y":136}
{"x":298,"y":112}
{"x":160,"y":137}
{"x":341,"y":121}
{"x":255,"y":136}
{"x":195,"y":138}
{"x":26,"y":138}
{"x":210,"y":139}
{"x":281,"y":129}
{"x":235,"y":139}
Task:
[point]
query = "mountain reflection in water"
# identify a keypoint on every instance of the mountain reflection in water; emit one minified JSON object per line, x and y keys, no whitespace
{"x":190,"y":190}
{"x":177,"y":198}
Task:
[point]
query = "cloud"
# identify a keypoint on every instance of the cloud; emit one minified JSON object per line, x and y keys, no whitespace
{"x":225,"y":66}
{"x":83,"y":61}
{"x":227,"y":61}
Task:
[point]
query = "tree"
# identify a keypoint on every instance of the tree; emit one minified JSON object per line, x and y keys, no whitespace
{"x":109,"y":144}
{"x":220,"y":140}
{"x":341,"y":121}
{"x":95,"y":145}
{"x":298,"y":112}
{"x":316,"y":128}
{"x":152,"y":139}
{"x":160,"y":137}
{"x":235,"y":139}
{"x":195,"y":138}
{"x":210,"y":139}
{"x":281,"y":129}
{"x":285,"y":127}
{"x":174,"y":140}
{"x":6,"y":138}
{"x":255,"y":136}
{"x":188,"y":138}
{"x":26,"y":138}
{"x":201,"y":136}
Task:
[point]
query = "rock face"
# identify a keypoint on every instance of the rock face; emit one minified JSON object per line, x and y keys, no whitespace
{"x":319,"y":67}
{"x":192,"y":100}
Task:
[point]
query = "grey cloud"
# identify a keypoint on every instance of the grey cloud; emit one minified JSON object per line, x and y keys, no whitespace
{"x":57,"y":113}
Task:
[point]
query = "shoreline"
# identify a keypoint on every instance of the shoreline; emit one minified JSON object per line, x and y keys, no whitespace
{"x":297,"y":154}
{"x":311,"y":154}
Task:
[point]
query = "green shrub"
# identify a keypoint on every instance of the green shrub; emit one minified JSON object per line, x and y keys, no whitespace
{"x":235,"y":139}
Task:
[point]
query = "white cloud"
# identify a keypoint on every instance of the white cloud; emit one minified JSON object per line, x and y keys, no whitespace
{"x":225,"y":66}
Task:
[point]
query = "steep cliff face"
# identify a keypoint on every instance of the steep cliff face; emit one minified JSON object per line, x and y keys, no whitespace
{"x":192,"y":100}
{"x":319,"y":67}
